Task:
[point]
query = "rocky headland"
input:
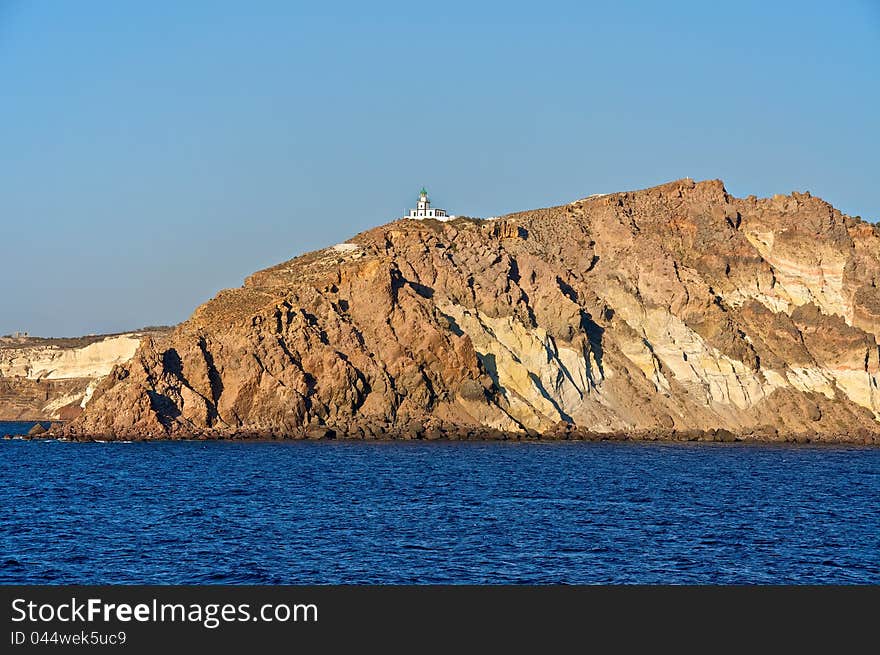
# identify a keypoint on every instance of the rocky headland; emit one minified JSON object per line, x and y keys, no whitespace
{"x":675,"y":312}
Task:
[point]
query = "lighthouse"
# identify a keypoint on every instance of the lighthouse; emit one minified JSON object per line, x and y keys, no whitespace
{"x":423,"y":209}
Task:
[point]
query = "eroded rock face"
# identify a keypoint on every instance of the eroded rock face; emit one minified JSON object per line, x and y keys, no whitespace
{"x":668,"y":311}
{"x":46,"y":379}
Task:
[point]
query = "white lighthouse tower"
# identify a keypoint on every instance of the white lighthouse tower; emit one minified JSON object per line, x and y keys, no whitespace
{"x":423,"y":209}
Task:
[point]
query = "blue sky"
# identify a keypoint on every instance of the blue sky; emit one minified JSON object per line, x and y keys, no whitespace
{"x":157,"y":152}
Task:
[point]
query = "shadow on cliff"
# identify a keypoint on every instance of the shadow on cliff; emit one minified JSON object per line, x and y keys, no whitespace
{"x":595,"y":332}
{"x":165,"y":408}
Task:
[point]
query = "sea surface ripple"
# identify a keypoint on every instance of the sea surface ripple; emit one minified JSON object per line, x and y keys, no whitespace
{"x":399,"y":512}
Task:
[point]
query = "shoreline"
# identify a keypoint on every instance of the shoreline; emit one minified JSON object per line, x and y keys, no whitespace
{"x":681,"y":438}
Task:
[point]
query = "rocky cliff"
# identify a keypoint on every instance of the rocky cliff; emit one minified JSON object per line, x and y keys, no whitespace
{"x":673,"y":312}
{"x":47,"y":379}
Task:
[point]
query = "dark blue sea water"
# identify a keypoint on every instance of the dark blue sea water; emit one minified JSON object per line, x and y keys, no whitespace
{"x":327,"y":512}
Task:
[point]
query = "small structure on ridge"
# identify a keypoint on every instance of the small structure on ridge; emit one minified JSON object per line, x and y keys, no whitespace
{"x":424,"y":210}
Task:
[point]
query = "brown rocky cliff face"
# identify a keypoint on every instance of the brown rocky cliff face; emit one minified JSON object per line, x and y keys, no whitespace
{"x":671,"y":309}
{"x":22,"y":399}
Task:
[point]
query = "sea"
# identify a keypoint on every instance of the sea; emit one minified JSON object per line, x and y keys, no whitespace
{"x":194,"y":512}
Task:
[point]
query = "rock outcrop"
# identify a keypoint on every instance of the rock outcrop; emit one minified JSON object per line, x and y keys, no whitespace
{"x":48,"y":379}
{"x":672,"y":312}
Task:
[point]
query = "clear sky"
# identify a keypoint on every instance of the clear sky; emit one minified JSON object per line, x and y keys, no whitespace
{"x":156,"y":152}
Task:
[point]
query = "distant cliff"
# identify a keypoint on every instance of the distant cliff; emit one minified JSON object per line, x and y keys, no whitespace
{"x":676,"y":312}
{"x":46,"y":379}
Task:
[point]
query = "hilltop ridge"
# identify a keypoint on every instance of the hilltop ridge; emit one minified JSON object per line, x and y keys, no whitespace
{"x":670,"y":312}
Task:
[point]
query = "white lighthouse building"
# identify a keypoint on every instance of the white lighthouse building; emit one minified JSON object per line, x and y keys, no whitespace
{"x":423,"y":209}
